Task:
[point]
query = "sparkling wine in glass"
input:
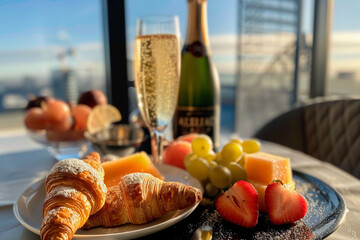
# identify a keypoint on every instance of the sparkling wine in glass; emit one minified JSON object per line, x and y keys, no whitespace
{"x":156,"y":74}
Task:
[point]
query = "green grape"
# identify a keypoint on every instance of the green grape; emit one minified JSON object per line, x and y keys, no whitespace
{"x":189,"y":158}
{"x":220,"y":176}
{"x":202,"y":145}
{"x":211,"y":190}
{"x":222,"y":162}
{"x":237,"y":140}
{"x":237,"y":172}
{"x":231,"y":152}
{"x":218,"y":156}
{"x":212,"y":164}
{"x":241,"y":160}
{"x":251,"y":146}
{"x":205,"y":181}
{"x":211,"y":156}
{"x":199,"y":168}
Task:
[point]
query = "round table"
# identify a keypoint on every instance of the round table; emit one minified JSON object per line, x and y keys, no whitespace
{"x":23,"y":162}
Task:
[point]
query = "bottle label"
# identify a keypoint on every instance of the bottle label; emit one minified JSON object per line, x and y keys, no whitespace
{"x":194,"y":120}
{"x":197,"y":49}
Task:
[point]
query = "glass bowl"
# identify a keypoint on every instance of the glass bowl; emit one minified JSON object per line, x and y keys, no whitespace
{"x":62,"y":145}
{"x":119,"y":140}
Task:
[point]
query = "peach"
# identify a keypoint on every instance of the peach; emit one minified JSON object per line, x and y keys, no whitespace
{"x":92,"y":98}
{"x":188,"y":137}
{"x":175,"y":153}
{"x":57,"y":111}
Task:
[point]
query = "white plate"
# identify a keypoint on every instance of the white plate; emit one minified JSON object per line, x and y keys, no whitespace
{"x":28,"y":211}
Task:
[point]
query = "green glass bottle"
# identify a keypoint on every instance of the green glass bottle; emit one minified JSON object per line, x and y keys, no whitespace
{"x":198,"y":107}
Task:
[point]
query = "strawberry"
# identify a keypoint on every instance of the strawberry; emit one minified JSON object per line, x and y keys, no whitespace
{"x":239,"y":204}
{"x":284,"y":205}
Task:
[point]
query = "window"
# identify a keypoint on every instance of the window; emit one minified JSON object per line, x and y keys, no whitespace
{"x":344,"y":60}
{"x":268,"y":68}
{"x":56,"y":48}
{"x":52,"y":48}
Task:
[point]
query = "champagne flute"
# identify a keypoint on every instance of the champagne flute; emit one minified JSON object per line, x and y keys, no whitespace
{"x":157,"y":74}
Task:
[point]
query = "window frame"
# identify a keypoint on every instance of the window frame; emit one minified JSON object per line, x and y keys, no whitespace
{"x":117,"y":83}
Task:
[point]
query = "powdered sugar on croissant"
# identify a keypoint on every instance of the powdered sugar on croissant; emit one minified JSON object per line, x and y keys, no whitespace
{"x":140,"y":198}
{"x":75,"y":189}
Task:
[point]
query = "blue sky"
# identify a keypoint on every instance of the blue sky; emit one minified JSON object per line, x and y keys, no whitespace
{"x":39,"y":24}
{"x":31,"y":23}
{"x":34,"y":23}
{"x":219,"y":12}
{"x":33,"y":31}
{"x":346,"y":15}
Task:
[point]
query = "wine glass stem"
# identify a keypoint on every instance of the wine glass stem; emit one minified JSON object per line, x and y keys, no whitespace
{"x":156,"y":146}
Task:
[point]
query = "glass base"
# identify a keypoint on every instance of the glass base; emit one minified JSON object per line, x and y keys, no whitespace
{"x":68,"y":149}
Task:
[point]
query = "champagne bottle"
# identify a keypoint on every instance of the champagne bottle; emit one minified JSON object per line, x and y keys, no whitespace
{"x":198,"y":108}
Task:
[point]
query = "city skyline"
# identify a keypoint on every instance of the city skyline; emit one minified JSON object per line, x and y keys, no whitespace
{"x":33,"y":33}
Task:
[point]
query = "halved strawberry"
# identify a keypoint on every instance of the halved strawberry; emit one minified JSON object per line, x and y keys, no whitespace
{"x":284,"y":205}
{"x":239,"y":204}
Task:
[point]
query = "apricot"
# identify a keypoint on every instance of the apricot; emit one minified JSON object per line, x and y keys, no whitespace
{"x":61,"y":126}
{"x":35,"y":119}
{"x":175,"y":153}
{"x":80,"y":113}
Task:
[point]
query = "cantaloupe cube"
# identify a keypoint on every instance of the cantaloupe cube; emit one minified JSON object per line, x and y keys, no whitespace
{"x":137,"y":162}
{"x":264,"y":168}
{"x":260,"y":188}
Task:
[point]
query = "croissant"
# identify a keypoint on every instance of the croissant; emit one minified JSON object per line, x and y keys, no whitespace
{"x":140,"y":198}
{"x":75,"y":189}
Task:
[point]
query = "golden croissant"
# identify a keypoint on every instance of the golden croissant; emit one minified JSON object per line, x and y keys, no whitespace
{"x":75,"y":189}
{"x":140,"y":198}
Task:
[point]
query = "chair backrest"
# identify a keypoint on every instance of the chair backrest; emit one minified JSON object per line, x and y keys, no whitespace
{"x":328,"y":129}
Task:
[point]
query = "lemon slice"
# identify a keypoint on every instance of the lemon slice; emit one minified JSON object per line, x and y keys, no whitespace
{"x":101,"y":116}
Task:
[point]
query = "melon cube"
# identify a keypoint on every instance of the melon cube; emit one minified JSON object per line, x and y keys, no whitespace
{"x":263,"y":168}
{"x":137,"y":162}
{"x":261,"y":188}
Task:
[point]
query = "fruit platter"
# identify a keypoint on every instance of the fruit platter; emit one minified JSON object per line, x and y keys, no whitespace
{"x":237,"y":191}
{"x":294,"y":206}
{"x":61,"y":126}
{"x":250,"y":194}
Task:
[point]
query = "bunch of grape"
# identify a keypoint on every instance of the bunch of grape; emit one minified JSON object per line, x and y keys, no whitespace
{"x":218,"y":171}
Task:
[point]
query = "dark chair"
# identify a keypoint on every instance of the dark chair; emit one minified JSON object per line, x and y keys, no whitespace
{"x":327,"y":129}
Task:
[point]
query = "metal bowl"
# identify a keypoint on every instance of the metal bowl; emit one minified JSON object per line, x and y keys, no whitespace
{"x":119,"y":140}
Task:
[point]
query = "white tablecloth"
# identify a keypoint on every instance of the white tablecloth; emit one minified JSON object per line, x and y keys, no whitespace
{"x":23,"y":162}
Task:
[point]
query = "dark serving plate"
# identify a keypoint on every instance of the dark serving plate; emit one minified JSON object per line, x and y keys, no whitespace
{"x":327,"y":210}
